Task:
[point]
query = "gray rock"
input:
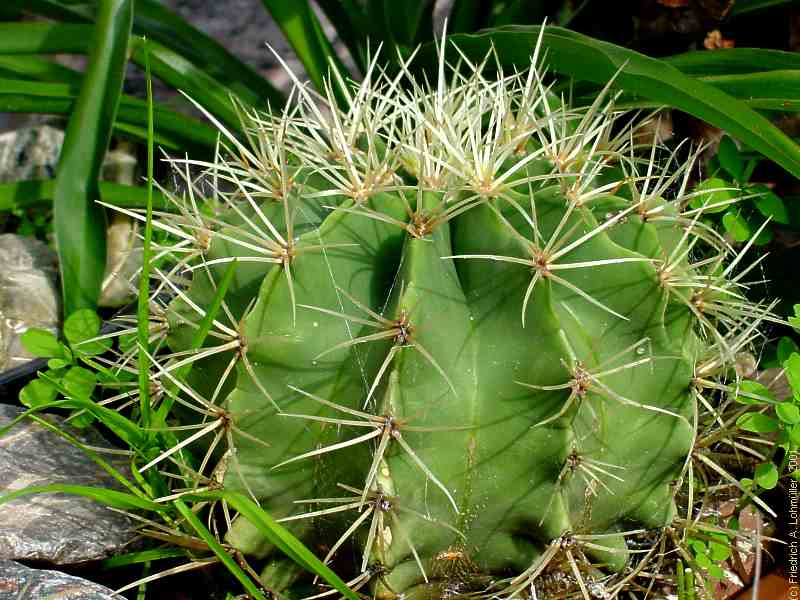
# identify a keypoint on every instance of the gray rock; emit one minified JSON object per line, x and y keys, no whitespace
{"x":30,"y":153}
{"x":29,"y":296}
{"x":56,"y":528}
{"x":18,"y":582}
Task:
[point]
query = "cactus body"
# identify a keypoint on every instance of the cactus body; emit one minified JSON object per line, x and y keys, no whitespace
{"x":460,"y":316}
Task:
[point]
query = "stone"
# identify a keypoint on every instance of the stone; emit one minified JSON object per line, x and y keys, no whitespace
{"x":30,"y":153}
{"x":18,"y":581}
{"x":29,"y":296}
{"x":54,"y":527}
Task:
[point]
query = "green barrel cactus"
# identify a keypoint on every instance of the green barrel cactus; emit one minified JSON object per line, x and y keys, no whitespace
{"x":460,"y":331}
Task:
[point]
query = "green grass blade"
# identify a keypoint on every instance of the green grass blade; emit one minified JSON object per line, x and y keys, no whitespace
{"x":304,"y":32}
{"x":585,"y":58}
{"x":469,"y":15}
{"x":157,"y":22}
{"x":731,"y":61}
{"x":280,"y":537}
{"x":80,"y":224}
{"x":22,"y":194}
{"x":181,"y":74}
{"x":39,"y":69}
{"x":166,"y":65}
{"x":45,"y":38}
{"x":197,"y":342}
{"x":112,"y":498}
{"x":143,"y":305}
{"x":351,"y":26}
{"x":133,"y":558}
{"x":174,"y":130}
{"x":742,"y":7}
{"x":219,"y":550}
{"x":770,"y":90}
{"x":91,"y":453}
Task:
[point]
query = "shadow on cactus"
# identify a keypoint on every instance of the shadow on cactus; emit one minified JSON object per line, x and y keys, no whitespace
{"x":464,"y":332}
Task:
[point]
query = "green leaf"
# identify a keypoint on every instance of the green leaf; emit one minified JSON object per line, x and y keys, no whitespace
{"x":753,"y":392}
{"x":794,"y":435}
{"x":786,"y":347}
{"x":766,"y":475}
{"x":741,"y":7}
{"x":795,"y":320}
{"x":304,"y":32}
{"x":718,"y":551}
{"x":718,"y":197}
{"x":217,"y":549}
{"x":788,"y":412}
{"x":757,"y":423}
{"x":770,"y":204}
{"x":23,"y":194}
{"x":730,"y":159}
{"x":584,"y":58}
{"x":737,"y":226}
{"x":280,"y":537}
{"x":792,"y":369}
{"x":80,"y":224}
{"x":730,"y":61}
{"x":81,"y":325}
{"x":57,"y":363}
{"x":41,"y":343}
{"x":133,"y":558}
{"x":768,"y":90}
{"x":113,"y":498}
{"x":79,"y":382}
{"x":37,"y":393}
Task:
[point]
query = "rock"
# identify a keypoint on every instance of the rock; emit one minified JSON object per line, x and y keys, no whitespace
{"x":18,"y":581}
{"x":29,"y":296}
{"x":56,"y":528}
{"x":30,"y":153}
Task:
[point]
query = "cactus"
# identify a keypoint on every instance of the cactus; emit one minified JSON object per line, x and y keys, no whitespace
{"x":462,"y":329}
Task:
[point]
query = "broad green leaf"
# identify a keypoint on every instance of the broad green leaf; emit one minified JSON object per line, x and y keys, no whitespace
{"x":79,"y":382}
{"x":786,"y":347}
{"x":753,"y":392}
{"x":730,"y":159}
{"x":57,"y":363}
{"x":81,"y":325}
{"x":792,"y":370}
{"x":718,"y":198}
{"x":769,"y":204}
{"x":766,"y":475}
{"x":42,"y":343}
{"x":584,"y":58}
{"x":37,"y":392}
{"x":788,"y":412}
{"x":737,"y":226}
{"x":718,"y":551}
{"x":757,"y":423}
{"x":795,"y":320}
{"x":80,"y":224}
